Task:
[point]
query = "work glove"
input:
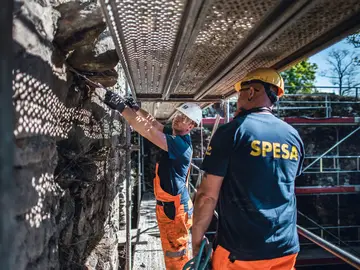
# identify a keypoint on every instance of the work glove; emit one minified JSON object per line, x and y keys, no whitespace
{"x":130,"y":102}
{"x":114,"y":101}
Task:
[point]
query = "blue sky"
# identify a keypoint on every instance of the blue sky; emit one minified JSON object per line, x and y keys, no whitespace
{"x":320,"y":60}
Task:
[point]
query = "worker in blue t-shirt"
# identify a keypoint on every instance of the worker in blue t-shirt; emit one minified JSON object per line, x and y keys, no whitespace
{"x":174,"y":206}
{"x":250,"y":169}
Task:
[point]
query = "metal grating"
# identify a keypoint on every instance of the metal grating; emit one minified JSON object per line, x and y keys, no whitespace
{"x":146,"y":31}
{"x":176,"y":50}
{"x":308,"y":28}
{"x":161,"y":110}
{"x":227,"y":23}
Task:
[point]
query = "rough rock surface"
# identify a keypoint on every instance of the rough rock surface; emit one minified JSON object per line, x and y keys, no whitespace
{"x":98,"y":57}
{"x":69,"y":200}
{"x":80,"y":24}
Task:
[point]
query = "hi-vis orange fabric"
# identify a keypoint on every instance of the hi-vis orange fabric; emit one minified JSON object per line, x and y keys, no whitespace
{"x":221,"y":261}
{"x":174,"y":233}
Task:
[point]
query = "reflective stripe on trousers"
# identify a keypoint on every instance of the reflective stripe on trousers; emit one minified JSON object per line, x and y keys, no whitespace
{"x":174,"y":229}
{"x":221,"y":261}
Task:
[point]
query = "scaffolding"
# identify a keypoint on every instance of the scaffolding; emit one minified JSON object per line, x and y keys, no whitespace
{"x":167,"y":64}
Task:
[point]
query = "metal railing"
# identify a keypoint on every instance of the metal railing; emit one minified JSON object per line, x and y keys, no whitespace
{"x":350,"y":91}
{"x":324,"y":102}
{"x":324,"y":161}
{"x":331,"y":148}
{"x":336,"y":251}
{"x":330,"y":233}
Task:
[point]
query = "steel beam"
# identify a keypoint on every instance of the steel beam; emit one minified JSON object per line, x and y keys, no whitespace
{"x":327,"y":190}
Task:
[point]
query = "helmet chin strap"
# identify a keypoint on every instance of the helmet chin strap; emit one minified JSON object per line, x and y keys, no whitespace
{"x":271,"y":94}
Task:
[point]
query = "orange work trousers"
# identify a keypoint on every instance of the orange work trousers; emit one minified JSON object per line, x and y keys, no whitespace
{"x":174,"y":235}
{"x":220,"y":261}
{"x":174,"y":225}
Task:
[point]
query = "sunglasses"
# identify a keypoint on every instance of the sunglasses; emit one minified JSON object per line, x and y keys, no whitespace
{"x":182,"y":117}
{"x":247,"y":89}
{"x":238,"y":87}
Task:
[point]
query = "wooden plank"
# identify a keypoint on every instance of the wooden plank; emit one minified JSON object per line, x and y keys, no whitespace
{"x":150,"y":255}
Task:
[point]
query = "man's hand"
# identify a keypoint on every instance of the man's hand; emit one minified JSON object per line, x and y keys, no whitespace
{"x":114,"y":101}
{"x":196,"y":247}
{"x":130,"y":102}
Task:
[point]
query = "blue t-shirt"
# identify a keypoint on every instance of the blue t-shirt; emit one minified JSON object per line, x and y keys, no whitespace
{"x":174,"y":165}
{"x":259,"y":157}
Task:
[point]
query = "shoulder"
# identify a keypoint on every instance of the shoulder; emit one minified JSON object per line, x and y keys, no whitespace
{"x":229,"y":128}
{"x":289,"y":128}
{"x":290,"y":131}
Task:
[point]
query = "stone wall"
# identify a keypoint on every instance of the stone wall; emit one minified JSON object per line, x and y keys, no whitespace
{"x":69,"y":168}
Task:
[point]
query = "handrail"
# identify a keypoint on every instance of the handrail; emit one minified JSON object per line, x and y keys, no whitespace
{"x":335,"y":145}
{"x":336,"y":251}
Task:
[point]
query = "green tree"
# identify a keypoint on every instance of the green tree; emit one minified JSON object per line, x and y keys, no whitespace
{"x":300,"y":78}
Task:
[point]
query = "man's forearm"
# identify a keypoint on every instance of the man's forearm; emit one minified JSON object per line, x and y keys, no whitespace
{"x":203,"y":213}
{"x":145,"y":128}
{"x":150,"y":119}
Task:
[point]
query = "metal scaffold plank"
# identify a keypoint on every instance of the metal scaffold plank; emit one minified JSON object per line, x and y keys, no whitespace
{"x":150,"y":255}
{"x":197,"y":49}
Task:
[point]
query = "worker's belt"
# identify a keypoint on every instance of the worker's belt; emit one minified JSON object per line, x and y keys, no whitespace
{"x":234,"y":256}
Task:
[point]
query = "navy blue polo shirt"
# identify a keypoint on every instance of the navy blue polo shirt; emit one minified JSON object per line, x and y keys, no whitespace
{"x":259,"y":157}
{"x":174,"y":165}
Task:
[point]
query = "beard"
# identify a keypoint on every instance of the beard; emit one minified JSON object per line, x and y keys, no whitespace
{"x":177,"y":131}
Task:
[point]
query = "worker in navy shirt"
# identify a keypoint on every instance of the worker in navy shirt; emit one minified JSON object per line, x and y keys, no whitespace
{"x":174,"y":207}
{"x":250,"y":169}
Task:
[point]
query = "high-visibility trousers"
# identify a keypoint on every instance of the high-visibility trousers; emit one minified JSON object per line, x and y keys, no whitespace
{"x":174,"y":225}
{"x":174,"y":235}
{"x":221,"y":261}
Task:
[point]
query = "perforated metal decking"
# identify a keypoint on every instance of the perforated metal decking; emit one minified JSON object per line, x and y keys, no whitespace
{"x":178,"y":50}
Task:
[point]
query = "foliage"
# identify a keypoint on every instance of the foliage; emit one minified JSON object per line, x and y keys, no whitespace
{"x":300,"y":78}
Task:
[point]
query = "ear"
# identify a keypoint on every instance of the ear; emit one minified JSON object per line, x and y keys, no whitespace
{"x":191,"y":126}
{"x":251,"y":92}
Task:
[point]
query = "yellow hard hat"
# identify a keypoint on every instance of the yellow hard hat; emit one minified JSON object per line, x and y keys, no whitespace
{"x":267,"y":75}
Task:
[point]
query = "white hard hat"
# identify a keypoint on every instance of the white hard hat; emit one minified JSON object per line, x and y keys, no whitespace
{"x":191,"y":110}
